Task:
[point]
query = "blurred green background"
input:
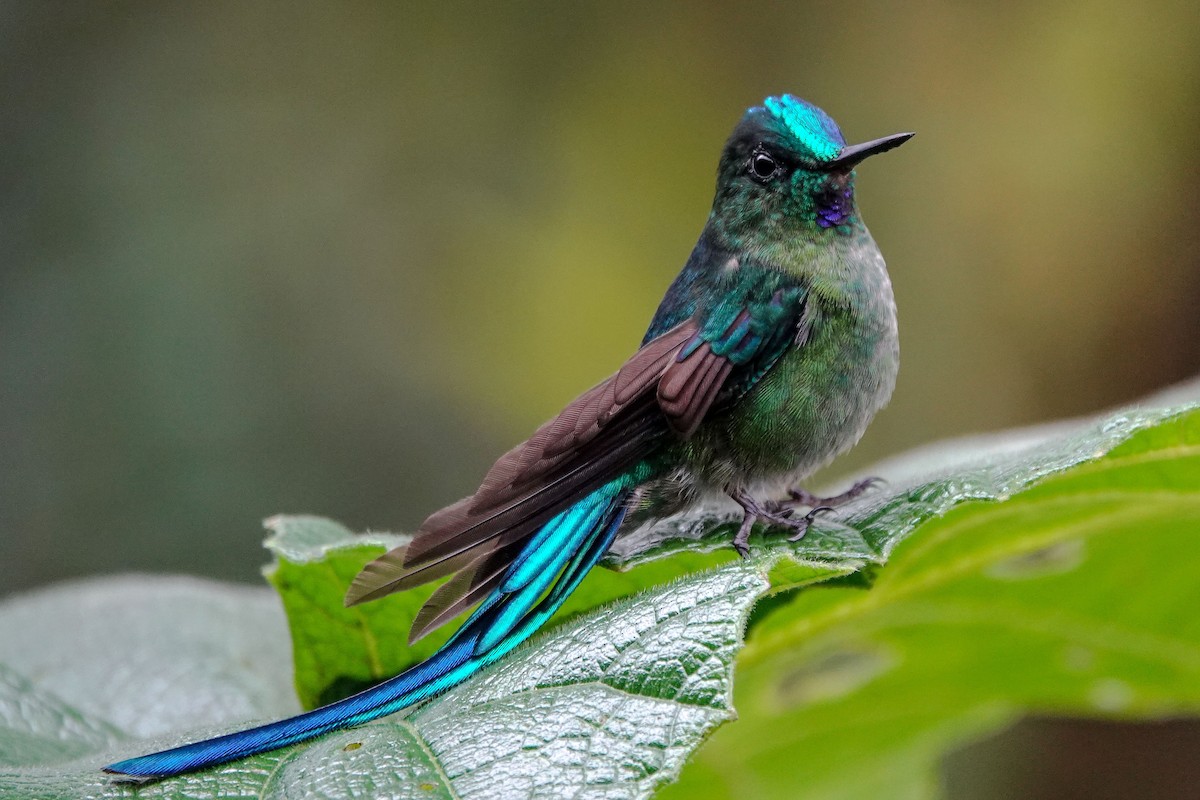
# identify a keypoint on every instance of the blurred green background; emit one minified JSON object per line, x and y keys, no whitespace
{"x":335,"y":258}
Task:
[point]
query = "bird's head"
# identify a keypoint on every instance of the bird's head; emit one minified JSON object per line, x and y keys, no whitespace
{"x":787,"y":166}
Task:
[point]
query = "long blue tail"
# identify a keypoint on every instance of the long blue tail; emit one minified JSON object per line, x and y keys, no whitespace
{"x":565,"y":548}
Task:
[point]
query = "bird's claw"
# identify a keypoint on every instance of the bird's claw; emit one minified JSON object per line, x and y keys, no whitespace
{"x":808,"y":520}
{"x":770,"y":512}
{"x":803,"y":497}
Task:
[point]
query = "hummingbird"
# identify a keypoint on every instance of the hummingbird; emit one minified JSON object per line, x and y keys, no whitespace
{"x":769,"y":355}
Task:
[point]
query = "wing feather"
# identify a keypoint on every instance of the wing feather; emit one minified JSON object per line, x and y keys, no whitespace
{"x":579,"y":422}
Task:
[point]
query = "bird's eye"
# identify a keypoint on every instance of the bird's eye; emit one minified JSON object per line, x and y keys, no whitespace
{"x":762,"y":167}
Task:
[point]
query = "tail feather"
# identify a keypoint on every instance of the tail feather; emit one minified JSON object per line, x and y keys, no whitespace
{"x":500,"y":623}
{"x":449,"y":666}
{"x":526,"y":586}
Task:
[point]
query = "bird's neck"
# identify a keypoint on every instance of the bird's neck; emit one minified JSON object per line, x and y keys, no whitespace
{"x":841,"y":263}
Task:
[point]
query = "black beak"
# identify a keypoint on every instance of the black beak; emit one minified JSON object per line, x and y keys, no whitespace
{"x":852,"y":154}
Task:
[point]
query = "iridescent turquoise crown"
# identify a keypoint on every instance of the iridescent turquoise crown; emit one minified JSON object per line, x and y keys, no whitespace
{"x":811,"y":131}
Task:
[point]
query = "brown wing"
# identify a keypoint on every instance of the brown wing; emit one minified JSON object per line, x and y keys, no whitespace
{"x":605,"y":430}
{"x":675,"y":378}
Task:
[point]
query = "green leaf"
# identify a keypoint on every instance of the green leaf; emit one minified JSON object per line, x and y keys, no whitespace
{"x":1038,"y":570}
{"x":92,"y":669}
{"x":613,"y":701}
{"x":152,"y":655}
{"x":1076,"y":596}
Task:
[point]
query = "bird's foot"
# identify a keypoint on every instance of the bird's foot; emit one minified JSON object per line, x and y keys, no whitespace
{"x":754,"y":511}
{"x":802,"y":497}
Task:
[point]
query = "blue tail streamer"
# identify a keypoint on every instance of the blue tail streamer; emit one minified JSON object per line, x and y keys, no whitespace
{"x":568,"y":545}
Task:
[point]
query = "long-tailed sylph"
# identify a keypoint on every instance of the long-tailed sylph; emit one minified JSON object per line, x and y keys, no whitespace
{"x":768,"y":356}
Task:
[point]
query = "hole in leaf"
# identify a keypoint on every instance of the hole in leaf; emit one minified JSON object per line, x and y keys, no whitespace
{"x":834,"y":673}
{"x":1053,"y":560}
